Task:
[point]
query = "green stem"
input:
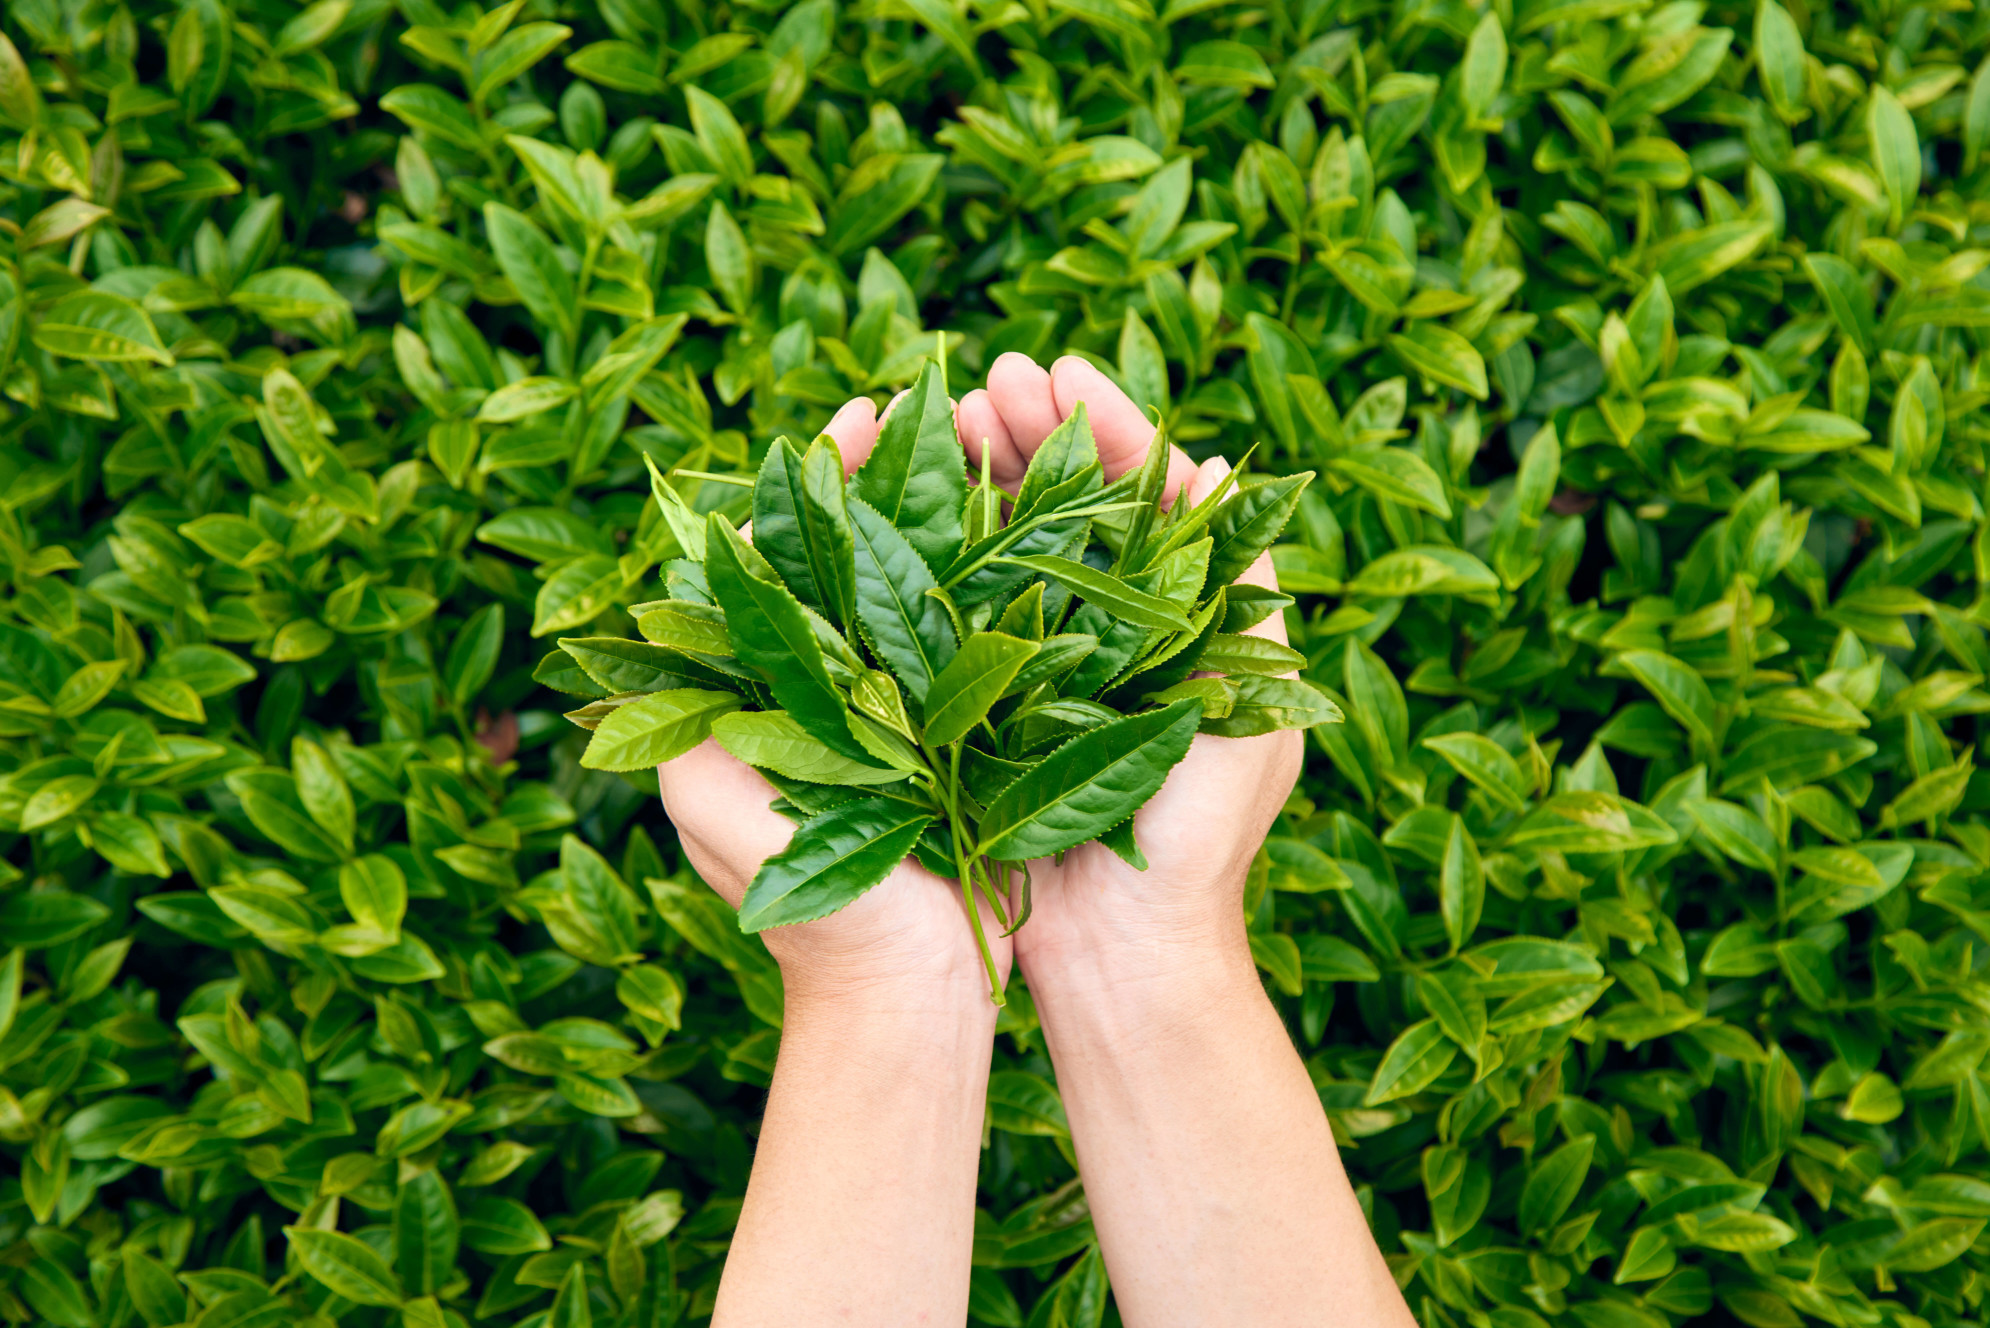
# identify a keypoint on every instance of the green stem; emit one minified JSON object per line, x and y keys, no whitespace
{"x":964,"y":864}
{"x":984,"y":877}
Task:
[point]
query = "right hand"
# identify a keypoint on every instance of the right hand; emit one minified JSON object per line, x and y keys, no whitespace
{"x":1200,"y":832}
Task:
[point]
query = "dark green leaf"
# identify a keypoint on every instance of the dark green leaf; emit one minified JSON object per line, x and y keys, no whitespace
{"x":500,"y":1226}
{"x":1248,"y":521}
{"x":907,"y":627}
{"x":426,"y":1231}
{"x":770,"y":631}
{"x":1554,"y":1184}
{"x":916,"y":476}
{"x":528,"y":260}
{"x":345,"y":1264}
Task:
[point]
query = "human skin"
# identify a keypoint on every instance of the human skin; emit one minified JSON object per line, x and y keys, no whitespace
{"x":860,"y":1208}
{"x":1209,"y":1166}
{"x":1214,"y":1183}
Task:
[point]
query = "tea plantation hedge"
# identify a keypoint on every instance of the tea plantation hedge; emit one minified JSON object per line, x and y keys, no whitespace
{"x":1634,"y":925}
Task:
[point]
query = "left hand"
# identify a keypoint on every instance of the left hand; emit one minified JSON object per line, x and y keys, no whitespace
{"x":911,"y":925}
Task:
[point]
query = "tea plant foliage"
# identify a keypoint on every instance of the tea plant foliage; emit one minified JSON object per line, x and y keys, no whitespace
{"x":1629,"y":924}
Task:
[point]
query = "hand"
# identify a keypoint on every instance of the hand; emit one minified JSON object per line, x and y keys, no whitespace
{"x":1210,"y":1169}
{"x":1201,"y":830}
{"x":910,"y":927}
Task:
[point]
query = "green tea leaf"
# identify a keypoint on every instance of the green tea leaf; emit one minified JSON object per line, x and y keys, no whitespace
{"x":826,"y":536}
{"x":916,"y":476}
{"x":1779,"y":60}
{"x":772,"y":740}
{"x":154,"y":1293}
{"x":345,"y":1264}
{"x":474,"y":653}
{"x":1107,"y":591}
{"x":426,"y":1232}
{"x":534,"y":270}
{"x":1442,"y":356}
{"x":973,"y":680}
{"x":1069,"y":455}
{"x":905,"y":625}
{"x":1896,"y":150}
{"x":1414,"y":1061}
{"x":1247,"y":522}
{"x":660,"y":727}
{"x":1397,"y":475}
{"x":770,"y":631}
{"x":777,"y":533}
{"x":1486,"y":764}
{"x":1088,"y":785}
{"x":1682,"y":693}
{"x":835,"y":858}
{"x":1554,"y":1184}
{"x":498,"y":1226}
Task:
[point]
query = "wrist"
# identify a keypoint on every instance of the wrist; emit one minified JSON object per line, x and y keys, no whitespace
{"x":1123,"y":988}
{"x":1114,"y":928}
{"x":891,"y":1032}
{"x":951,"y":988}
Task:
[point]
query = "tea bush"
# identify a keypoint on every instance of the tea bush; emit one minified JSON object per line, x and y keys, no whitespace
{"x":1630,"y":923}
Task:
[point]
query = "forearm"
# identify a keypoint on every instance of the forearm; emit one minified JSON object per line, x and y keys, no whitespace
{"x":861,"y":1204}
{"x":1209,"y":1165}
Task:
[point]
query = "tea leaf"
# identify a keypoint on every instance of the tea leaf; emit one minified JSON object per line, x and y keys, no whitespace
{"x":1088,"y":785}
{"x":835,"y":858}
{"x":972,"y":681}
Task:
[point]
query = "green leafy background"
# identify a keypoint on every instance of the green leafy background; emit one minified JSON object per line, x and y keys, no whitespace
{"x":1629,"y":926}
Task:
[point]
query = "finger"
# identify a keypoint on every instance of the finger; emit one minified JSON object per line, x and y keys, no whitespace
{"x":855,"y":429}
{"x":719,"y":806}
{"x":1019,"y":389}
{"x":891,"y":407}
{"x":981,"y":423}
{"x":1121,"y":429}
{"x":1205,"y":478}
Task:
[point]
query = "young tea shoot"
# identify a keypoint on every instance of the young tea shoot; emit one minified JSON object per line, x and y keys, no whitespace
{"x":923,"y":666}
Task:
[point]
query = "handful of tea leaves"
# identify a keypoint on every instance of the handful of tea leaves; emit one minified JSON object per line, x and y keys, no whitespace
{"x":923,"y":666}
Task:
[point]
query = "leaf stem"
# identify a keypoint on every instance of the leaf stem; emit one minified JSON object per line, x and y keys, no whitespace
{"x":964,"y":864}
{"x":985,"y":881}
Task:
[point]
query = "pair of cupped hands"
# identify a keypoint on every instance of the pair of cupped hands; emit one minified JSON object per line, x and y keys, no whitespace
{"x":1199,"y":832}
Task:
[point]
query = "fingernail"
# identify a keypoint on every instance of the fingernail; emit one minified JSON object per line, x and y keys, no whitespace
{"x":1209,"y":476}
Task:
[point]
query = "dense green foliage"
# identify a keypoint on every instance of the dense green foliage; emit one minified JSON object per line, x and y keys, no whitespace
{"x":1629,"y":924}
